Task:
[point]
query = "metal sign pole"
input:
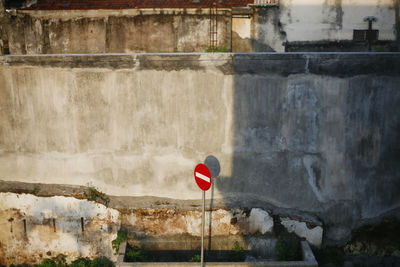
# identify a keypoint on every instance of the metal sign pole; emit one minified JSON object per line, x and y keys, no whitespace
{"x":203,"y":179}
{"x":202,"y":230}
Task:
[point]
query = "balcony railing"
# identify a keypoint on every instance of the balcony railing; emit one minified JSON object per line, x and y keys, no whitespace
{"x":262,"y":3}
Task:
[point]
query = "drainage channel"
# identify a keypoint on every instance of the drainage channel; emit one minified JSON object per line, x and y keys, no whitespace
{"x":308,"y":261}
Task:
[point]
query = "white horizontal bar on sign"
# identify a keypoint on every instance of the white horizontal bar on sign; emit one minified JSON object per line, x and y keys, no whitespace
{"x":203,"y":177}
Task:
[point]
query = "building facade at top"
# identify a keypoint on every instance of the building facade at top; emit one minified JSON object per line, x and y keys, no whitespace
{"x":128,"y":26}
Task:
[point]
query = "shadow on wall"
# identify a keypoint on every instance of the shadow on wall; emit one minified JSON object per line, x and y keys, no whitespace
{"x":325,"y":144}
{"x":214,"y":167}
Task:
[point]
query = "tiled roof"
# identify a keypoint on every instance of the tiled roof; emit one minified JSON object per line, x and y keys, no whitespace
{"x":123,"y":4}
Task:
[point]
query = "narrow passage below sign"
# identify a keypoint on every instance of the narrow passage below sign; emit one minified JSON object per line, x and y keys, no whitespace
{"x":202,"y":176}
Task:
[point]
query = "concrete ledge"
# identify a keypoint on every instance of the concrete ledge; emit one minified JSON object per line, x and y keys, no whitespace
{"x":308,"y":261}
{"x":100,"y":13}
{"x":308,"y":255}
{"x":121,"y":252}
{"x":283,"y":64}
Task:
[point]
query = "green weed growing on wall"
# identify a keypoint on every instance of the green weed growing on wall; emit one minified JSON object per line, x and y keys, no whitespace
{"x":122,"y":236}
{"x":95,"y":195}
{"x":237,"y":253}
{"x":136,"y":254}
{"x":195,"y":258}
{"x":217,"y":49}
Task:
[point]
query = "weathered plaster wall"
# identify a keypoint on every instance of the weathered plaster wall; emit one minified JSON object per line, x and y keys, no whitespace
{"x":3,"y":23}
{"x":269,"y":34}
{"x":100,"y":31}
{"x":315,"y":21}
{"x":242,"y":34}
{"x":257,"y":30}
{"x":187,"y":30}
{"x":307,"y":132}
{"x":147,"y":139}
{"x":53,"y":227}
{"x":311,"y":20}
{"x":34,"y":228}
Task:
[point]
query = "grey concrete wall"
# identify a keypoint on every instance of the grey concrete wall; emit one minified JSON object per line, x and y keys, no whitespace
{"x":310,"y":133}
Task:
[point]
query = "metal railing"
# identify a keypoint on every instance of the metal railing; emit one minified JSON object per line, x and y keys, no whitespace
{"x":265,"y":2}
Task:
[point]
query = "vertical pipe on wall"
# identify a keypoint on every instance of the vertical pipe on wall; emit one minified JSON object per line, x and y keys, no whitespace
{"x":82,"y":225}
{"x":229,"y":31}
{"x":397,"y":23}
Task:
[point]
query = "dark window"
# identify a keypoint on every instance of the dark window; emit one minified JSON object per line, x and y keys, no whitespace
{"x":365,"y":35}
{"x":359,"y":35}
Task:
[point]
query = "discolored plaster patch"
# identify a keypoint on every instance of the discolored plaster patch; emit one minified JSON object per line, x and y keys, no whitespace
{"x":333,"y":13}
{"x":260,"y":221}
{"x":34,"y":226}
{"x":339,"y":13}
{"x":160,"y":222}
{"x":312,"y":235}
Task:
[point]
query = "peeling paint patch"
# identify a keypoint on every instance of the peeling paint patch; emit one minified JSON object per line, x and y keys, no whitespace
{"x":314,"y":235}
{"x":260,"y":221}
{"x":35,"y":228}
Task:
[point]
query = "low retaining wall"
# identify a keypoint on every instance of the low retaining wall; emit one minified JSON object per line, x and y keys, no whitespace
{"x":34,"y":228}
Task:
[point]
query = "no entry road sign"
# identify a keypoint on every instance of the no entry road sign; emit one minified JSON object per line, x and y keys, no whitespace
{"x":202,"y":176}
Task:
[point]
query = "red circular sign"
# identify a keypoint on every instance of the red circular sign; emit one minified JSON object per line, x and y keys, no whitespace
{"x":202,"y":176}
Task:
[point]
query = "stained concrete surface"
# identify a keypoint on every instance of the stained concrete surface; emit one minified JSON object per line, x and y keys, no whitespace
{"x":59,"y":226}
{"x":34,"y":228}
{"x":310,"y":134}
{"x":106,"y":31}
{"x":303,"y":25}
